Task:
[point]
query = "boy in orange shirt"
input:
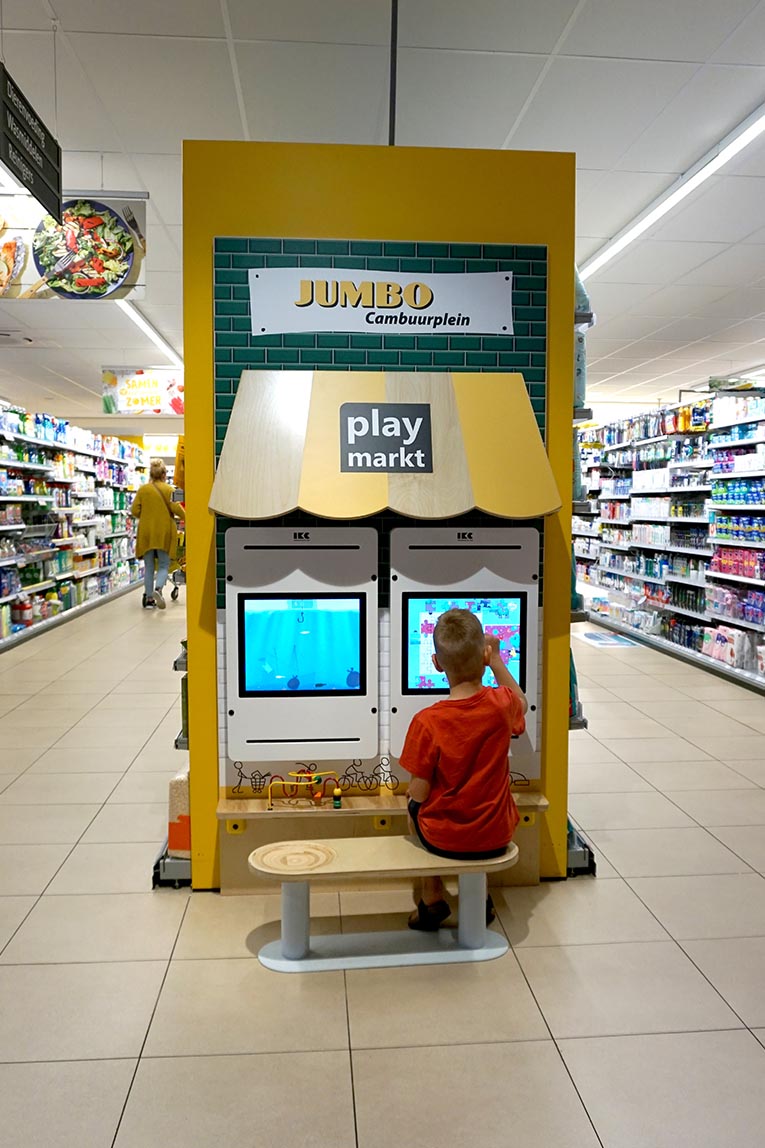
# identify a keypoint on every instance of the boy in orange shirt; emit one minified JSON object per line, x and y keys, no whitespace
{"x":460,"y":804}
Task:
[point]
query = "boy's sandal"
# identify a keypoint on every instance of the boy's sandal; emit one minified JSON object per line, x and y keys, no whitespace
{"x":429,"y":918}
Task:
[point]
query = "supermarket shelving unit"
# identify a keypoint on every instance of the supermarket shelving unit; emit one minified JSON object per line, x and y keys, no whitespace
{"x":694,"y":527}
{"x":77,"y":506}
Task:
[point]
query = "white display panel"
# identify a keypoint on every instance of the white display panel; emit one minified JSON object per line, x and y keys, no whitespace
{"x":495,"y":573}
{"x":301,"y":643}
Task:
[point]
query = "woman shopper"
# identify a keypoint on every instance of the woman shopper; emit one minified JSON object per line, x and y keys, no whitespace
{"x":157,"y":534}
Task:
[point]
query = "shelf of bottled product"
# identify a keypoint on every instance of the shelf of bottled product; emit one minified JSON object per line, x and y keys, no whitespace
{"x":732,"y":673}
{"x":73,"y":611}
{"x":747,"y":607}
{"x":721,"y":577}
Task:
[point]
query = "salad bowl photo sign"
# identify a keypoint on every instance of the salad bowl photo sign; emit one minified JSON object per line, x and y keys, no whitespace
{"x":96,"y":252}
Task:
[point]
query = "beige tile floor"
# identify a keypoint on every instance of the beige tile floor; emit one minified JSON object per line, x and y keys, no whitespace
{"x":629,"y":1013}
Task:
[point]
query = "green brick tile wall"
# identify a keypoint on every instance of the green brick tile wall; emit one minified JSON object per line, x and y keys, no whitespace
{"x":236,"y":349}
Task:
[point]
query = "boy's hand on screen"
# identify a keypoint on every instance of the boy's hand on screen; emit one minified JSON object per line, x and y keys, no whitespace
{"x":492,"y":646}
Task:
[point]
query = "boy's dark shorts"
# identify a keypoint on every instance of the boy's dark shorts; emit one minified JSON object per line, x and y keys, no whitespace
{"x":414,"y":809}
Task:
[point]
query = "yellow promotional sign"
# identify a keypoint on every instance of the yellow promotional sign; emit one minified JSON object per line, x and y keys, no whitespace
{"x":156,"y":391}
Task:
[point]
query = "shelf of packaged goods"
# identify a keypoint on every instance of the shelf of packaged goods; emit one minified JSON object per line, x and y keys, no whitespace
{"x":671,"y":608}
{"x":113,"y":485}
{"x":12,"y":436}
{"x":583,"y":507}
{"x":83,"y":493}
{"x":54,"y":481}
{"x":735,"y":578}
{"x":695,"y":433}
{"x":586,"y":557}
{"x":86,"y":522}
{"x":118,"y":534}
{"x":64,"y":616}
{"x":745,"y":506}
{"x":726,"y":621}
{"x":40,"y":467}
{"x":738,"y":543}
{"x":36,"y":587}
{"x":604,"y":544}
{"x":615,"y":521}
{"x":64,"y":575}
{"x":744,"y":421}
{"x":86,"y":550}
{"x":63,"y":510}
{"x":669,"y":490}
{"x":745,"y":677}
{"x":674,"y":521}
{"x":613,"y":497}
{"x":685,"y":581}
{"x":8,"y":526}
{"x":85,"y":469}
{"x":671,"y":546}
{"x":735,"y":474}
{"x":585,"y":534}
{"x":727,"y":444}
{"x":631,"y":576}
{"x":691,"y":464}
{"x":41,"y":498}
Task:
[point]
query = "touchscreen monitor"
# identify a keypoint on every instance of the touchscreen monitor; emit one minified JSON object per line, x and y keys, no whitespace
{"x":501,"y":614}
{"x":298,"y":646}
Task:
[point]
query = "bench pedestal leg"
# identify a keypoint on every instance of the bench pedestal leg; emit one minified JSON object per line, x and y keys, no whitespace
{"x":471,"y":933}
{"x":295,"y":919}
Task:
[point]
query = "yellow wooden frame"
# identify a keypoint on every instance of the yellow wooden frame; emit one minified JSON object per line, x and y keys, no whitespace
{"x":353,"y":192}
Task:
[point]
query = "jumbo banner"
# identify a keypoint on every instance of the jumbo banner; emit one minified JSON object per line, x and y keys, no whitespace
{"x":307,"y":299}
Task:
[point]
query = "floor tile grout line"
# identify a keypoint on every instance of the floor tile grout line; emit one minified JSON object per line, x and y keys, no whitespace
{"x":566,"y":1068}
{"x":350,"y":1048}
{"x":150,"y":1023}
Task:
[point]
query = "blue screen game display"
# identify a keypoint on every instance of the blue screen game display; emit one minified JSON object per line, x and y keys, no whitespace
{"x":299,"y":646}
{"x":502,"y":615}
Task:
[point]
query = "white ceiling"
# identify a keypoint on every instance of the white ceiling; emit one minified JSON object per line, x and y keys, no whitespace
{"x":639,"y":91}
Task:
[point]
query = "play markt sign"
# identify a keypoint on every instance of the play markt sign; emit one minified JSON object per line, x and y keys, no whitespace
{"x":392,"y":438}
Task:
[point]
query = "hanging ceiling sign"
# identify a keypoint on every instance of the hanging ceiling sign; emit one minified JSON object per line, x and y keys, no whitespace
{"x":28,"y":150}
{"x":291,"y":299}
{"x":155,"y":391}
{"x":98,"y":251}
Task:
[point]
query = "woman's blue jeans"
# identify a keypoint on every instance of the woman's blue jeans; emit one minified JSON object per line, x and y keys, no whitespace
{"x":162,"y":559}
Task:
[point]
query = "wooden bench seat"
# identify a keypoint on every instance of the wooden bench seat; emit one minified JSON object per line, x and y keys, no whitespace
{"x":297,"y":863}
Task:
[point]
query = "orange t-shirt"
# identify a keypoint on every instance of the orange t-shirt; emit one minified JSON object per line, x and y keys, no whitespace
{"x":461,"y":746}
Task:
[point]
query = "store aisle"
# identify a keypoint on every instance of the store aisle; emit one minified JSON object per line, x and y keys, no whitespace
{"x":629,"y":1013}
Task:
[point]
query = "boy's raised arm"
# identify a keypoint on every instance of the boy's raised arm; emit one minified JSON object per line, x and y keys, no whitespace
{"x":501,"y":673}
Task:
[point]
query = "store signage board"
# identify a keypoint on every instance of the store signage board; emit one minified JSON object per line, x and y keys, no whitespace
{"x":27,"y":148}
{"x":307,"y":299}
{"x":139,"y":391}
{"x":386,"y":438}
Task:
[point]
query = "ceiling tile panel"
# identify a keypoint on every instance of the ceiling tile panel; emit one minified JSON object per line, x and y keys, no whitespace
{"x":713,"y":103}
{"x":147,"y":17}
{"x":746,"y":44}
{"x":655,"y":29}
{"x":608,"y":200}
{"x":323,"y":93}
{"x":724,"y":210}
{"x":335,"y":22}
{"x":185,"y":90}
{"x":598,"y":108}
{"x":492,"y":25}
{"x":739,"y":265}
{"x":484,"y":94}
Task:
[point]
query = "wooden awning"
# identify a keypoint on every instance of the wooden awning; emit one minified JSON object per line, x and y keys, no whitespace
{"x":282,"y":448}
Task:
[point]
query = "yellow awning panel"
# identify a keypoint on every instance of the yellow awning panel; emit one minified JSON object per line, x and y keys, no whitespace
{"x":282,"y":448}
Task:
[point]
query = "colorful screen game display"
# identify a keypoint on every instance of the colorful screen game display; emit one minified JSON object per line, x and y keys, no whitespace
{"x":500,"y":614}
{"x":299,"y":646}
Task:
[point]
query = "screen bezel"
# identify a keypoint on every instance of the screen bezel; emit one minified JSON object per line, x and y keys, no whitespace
{"x":418,"y":595}
{"x":357,"y":596}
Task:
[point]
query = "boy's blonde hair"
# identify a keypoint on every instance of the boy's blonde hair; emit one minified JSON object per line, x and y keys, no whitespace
{"x":460,"y":646}
{"x":157,"y":470}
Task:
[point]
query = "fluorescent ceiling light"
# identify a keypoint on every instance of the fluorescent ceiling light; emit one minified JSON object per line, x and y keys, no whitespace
{"x":150,"y":332}
{"x":723,"y":152}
